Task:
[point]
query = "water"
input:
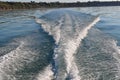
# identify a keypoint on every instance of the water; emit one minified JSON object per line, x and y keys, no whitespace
{"x":60,"y":44}
{"x":25,"y":48}
{"x":98,"y":55}
{"x":109,"y":22}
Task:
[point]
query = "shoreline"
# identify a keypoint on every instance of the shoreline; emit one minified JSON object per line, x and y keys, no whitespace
{"x":33,"y":5}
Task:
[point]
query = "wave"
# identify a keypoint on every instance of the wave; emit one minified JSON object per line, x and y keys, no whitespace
{"x":78,"y":51}
{"x":10,"y":58}
{"x":26,"y":60}
{"x":68,"y":28}
{"x":98,"y":57}
{"x":46,"y":74}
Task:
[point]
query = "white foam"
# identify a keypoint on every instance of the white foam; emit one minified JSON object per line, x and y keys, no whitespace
{"x":116,"y":55}
{"x":7,"y":59}
{"x":46,"y":74}
{"x":72,"y":46}
{"x":15,"y":61}
{"x":67,"y":46}
{"x":52,"y":31}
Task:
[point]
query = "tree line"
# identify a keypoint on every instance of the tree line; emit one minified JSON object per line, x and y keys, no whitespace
{"x":33,"y":4}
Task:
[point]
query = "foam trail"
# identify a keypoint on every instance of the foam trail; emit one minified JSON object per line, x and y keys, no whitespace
{"x":116,"y":55}
{"x":46,"y":74}
{"x":9,"y":59}
{"x":26,"y":60}
{"x":56,"y":31}
{"x":15,"y":61}
{"x":72,"y":46}
{"x":96,"y":58}
{"x":68,"y":36}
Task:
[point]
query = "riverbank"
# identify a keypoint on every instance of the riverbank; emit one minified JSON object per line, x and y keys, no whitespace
{"x":18,"y":5}
{"x":32,"y":4}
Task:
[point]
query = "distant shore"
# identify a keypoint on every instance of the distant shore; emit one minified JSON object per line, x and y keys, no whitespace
{"x":32,"y":4}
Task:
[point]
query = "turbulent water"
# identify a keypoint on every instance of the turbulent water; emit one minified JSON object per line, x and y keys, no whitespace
{"x":57,"y":44}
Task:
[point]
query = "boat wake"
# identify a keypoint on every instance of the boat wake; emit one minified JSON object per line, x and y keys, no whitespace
{"x":29,"y":56}
{"x":66,"y":47}
{"x":98,"y":57}
{"x":68,"y":28}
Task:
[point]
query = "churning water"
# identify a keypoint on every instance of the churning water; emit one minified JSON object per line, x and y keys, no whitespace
{"x":60,"y":44}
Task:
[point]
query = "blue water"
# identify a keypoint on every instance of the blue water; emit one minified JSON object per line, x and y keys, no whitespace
{"x":25,"y":49}
{"x":110,"y":19}
{"x":16,"y":23}
{"x":51,"y":44}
